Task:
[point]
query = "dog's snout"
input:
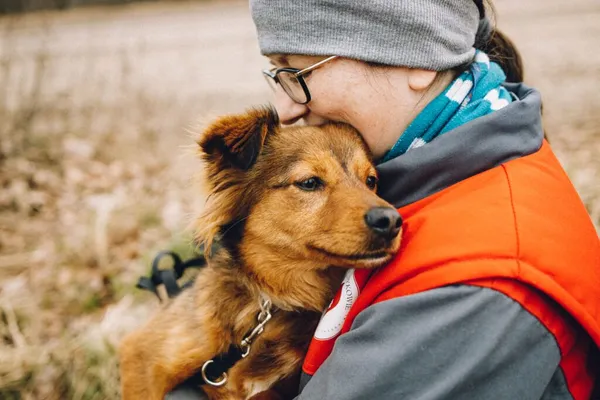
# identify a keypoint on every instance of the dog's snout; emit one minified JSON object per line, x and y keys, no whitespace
{"x":384,"y":221}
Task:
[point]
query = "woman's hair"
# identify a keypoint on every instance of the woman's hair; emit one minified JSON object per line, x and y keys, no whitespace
{"x":498,"y":46}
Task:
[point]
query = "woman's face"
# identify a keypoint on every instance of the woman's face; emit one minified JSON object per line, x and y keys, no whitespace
{"x":378,"y":101}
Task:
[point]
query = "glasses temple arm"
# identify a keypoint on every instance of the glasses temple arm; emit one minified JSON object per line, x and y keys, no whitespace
{"x":314,"y":66}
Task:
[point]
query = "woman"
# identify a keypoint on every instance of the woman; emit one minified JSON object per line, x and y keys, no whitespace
{"x":494,"y":292}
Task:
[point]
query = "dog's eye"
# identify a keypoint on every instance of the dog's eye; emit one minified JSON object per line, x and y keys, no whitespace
{"x":310,"y":184}
{"x":372,"y":182}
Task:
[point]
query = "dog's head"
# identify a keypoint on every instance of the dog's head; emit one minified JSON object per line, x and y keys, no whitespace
{"x":303,"y":195}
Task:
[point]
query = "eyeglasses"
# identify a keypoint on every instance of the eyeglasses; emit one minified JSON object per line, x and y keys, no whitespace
{"x":292,"y":80}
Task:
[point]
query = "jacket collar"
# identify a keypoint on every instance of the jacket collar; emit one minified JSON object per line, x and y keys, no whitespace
{"x":484,"y":143}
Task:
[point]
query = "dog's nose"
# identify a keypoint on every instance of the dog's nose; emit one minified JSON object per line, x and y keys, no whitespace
{"x":384,"y":221}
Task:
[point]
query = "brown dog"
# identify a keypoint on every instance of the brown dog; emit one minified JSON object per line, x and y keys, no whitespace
{"x":292,"y":208}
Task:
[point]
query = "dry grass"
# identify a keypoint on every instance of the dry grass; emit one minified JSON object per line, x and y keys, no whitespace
{"x":79,"y":221}
{"x":95,"y":177}
{"x":92,"y":118}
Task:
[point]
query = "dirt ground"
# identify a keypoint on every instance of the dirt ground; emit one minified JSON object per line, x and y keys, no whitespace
{"x":97,"y":112}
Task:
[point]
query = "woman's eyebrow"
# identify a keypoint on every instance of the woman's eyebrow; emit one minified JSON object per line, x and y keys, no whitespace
{"x":279,"y":60}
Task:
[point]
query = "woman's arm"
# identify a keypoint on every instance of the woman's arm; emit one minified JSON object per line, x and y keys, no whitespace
{"x":456,"y":342}
{"x":185,"y":392}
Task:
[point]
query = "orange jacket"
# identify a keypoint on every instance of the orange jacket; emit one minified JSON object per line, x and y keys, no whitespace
{"x":509,"y":244}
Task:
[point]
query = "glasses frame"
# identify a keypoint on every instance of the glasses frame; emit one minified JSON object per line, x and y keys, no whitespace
{"x":273,"y":74}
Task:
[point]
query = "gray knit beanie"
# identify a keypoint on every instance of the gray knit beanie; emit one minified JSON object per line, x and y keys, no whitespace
{"x":429,"y":34}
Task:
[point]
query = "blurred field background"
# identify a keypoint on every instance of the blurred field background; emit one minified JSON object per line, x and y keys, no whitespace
{"x":97,"y":106}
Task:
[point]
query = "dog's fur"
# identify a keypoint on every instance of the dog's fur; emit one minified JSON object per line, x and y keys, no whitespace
{"x":278,"y":240}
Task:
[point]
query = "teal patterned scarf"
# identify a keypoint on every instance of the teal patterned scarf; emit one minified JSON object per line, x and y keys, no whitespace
{"x":475,"y":93}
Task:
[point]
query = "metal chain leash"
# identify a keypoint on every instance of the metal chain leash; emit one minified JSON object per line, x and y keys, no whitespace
{"x":245,"y":345}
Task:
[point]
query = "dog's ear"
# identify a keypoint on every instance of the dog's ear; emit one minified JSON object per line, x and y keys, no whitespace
{"x":237,"y":140}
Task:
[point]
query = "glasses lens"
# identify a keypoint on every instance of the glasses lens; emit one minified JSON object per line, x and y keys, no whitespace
{"x":292,"y":86}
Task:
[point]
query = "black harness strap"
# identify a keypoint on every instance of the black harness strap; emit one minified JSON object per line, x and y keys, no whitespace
{"x":168,"y":277}
{"x":220,"y":365}
{"x":214,"y":371}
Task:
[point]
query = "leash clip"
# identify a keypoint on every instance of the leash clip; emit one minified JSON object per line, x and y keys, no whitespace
{"x":263,"y":317}
{"x":224,"y":361}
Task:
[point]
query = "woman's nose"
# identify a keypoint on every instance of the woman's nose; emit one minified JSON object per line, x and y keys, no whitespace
{"x":288,"y":110}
